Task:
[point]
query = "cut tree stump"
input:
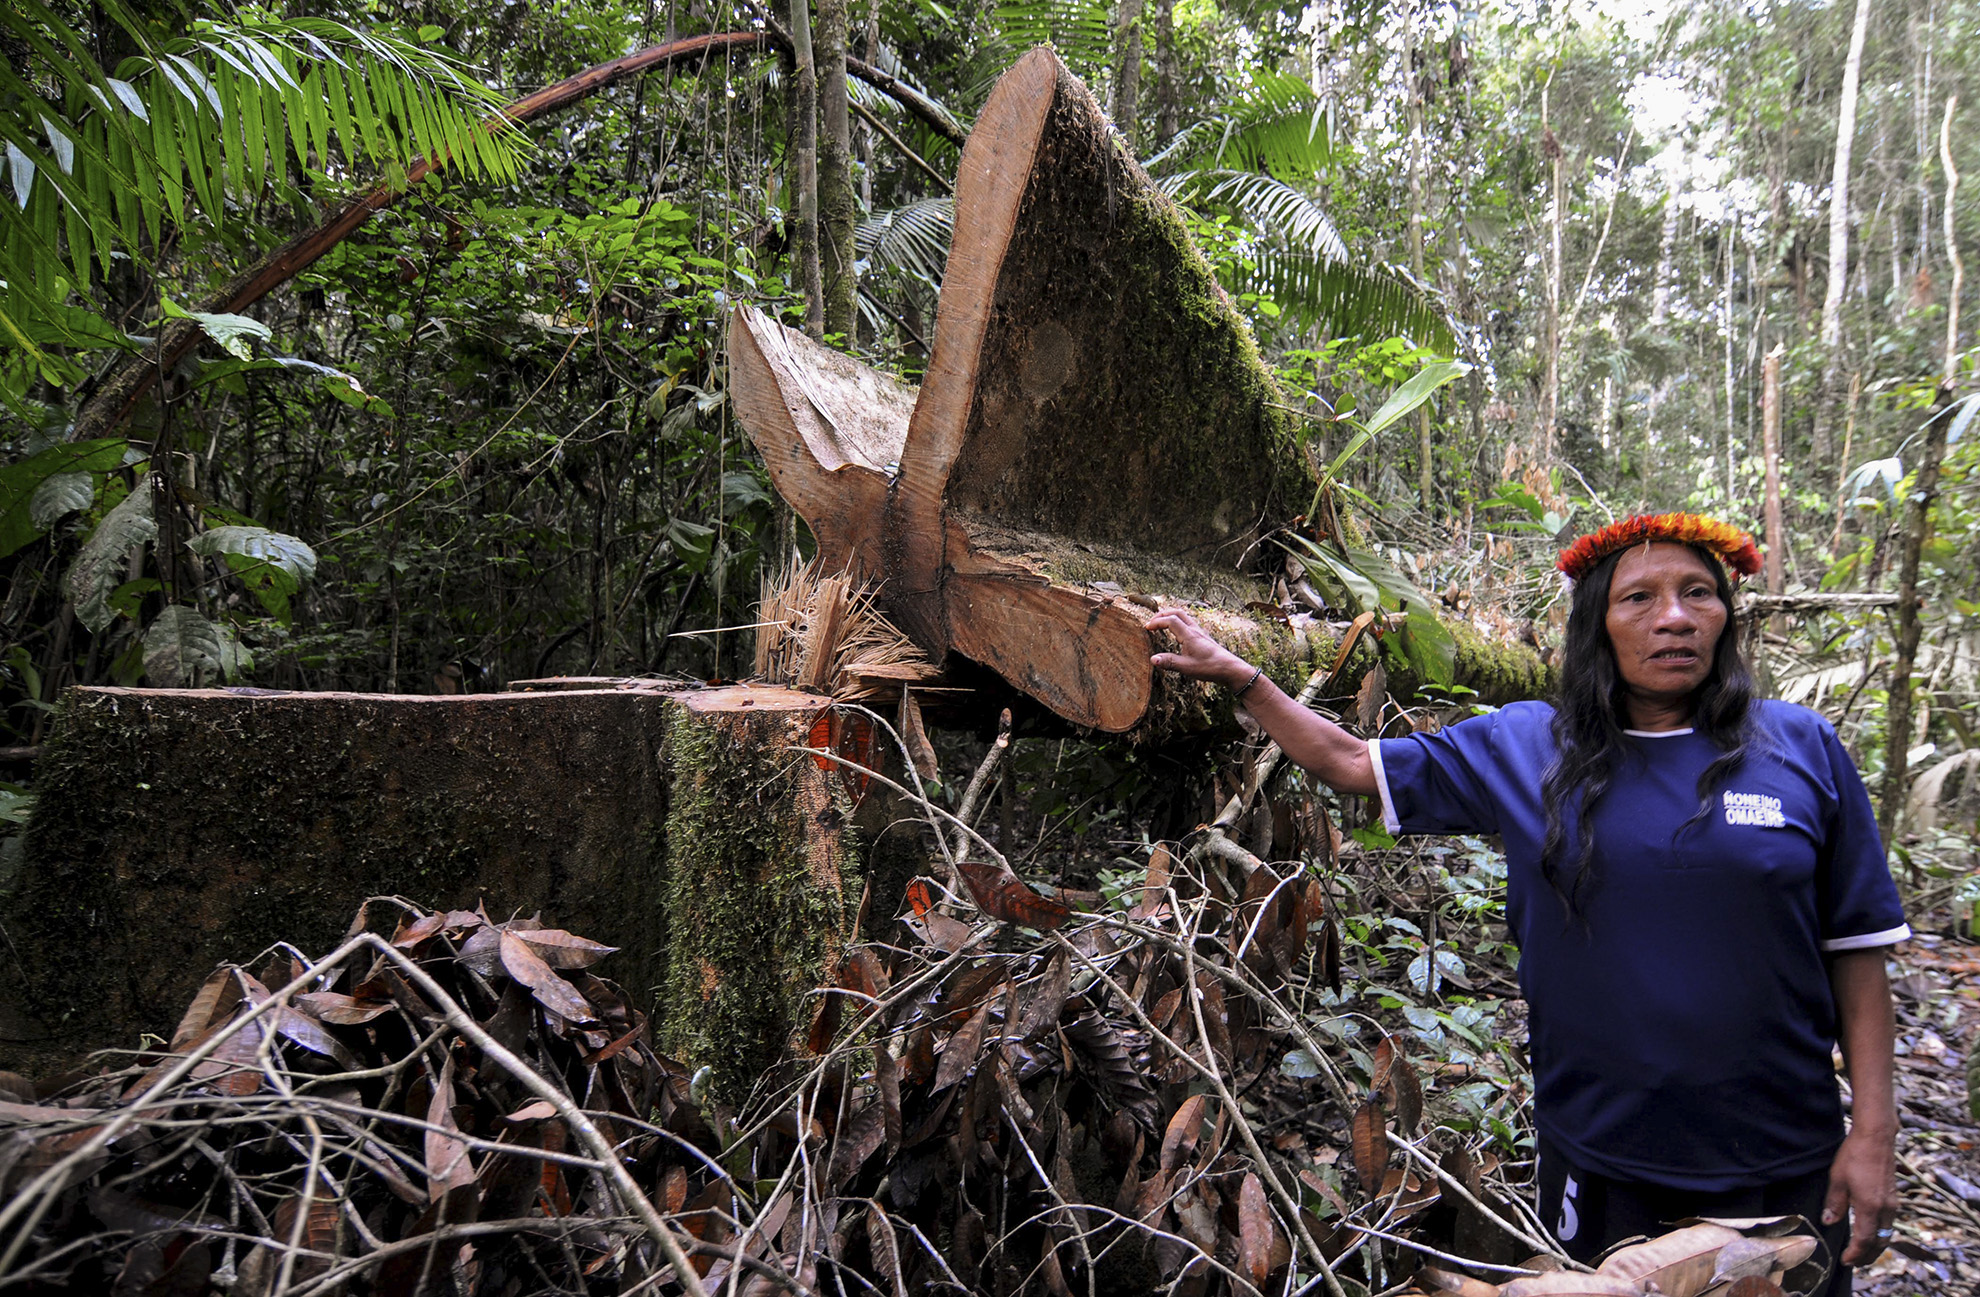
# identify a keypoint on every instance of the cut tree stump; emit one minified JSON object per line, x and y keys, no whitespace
{"x":1096,"y":437}
{"x":176,"y":829}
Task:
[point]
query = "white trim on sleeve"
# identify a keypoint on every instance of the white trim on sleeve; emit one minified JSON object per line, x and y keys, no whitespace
{"x":1389,"y":820}
{"x":1869,"y":940}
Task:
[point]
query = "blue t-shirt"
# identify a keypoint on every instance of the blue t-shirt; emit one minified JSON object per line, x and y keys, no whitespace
{"x":1681,"y":1035}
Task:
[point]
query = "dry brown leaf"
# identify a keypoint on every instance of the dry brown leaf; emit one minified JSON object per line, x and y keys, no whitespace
{"x":550,"y":990}
{"x":885,"y":1246}
{"x":1407,"y":1092}
{"x":1161,"y":865}
{"x":214,"y":1002}
{"x":1449,"y":1281}
{"x":1371,"y":1145}
{"x":421,"y":928}
{"x":1563,"y":1284}
{"x":946,"y":933}
{"x":1048,"y":998}
{"x":1383,"y":1062}
{"x":1255,"y":1230}
{"x":1680,"y":1263}
{"x":962,"y":1050}
{"x":563,"y":950}
{"x":673,"y":1189}
{"x":887,"y":1084}
{"x":1004,"y":896}
{"x":447,"y":1164}
{"x":1761,"y":1256}
{"x":1184,"y":1129}
{"x":341,"y":1010}
{"x":1369,"y":700}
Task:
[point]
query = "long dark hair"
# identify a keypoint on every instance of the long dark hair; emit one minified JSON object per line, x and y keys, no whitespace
{"x":1590,"y":715}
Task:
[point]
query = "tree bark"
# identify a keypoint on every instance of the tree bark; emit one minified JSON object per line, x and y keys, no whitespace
{"x":1770,"y":451}
{"x":1168,"y":109}
{"x":1550,"y":389}
{"x":804,"y":156}
{"x":1127,"y":69}
{"x":1952,"y":247}
{"x":837,"y":211}
{"x":1426,"y":481}
{"x":1838,"y":281}
{"x":1917,"y":528}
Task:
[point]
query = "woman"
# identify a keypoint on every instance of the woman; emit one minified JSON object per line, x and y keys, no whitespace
{"x":1697,"y":889}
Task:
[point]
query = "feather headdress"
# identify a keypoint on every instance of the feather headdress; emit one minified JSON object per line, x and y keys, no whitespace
{"x":1734,"y":547}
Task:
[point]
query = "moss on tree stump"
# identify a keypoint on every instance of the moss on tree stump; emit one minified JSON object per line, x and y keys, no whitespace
{"x":174,"y":830}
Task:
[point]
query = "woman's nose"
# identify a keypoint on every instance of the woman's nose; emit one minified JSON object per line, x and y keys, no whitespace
{"x":1673,"y":614}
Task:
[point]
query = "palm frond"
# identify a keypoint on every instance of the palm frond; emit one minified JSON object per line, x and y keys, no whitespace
{"x":1270,"y":204}
{"x":104,"y":164}
{"x":1080,"y":30}
{"x":1347,"y":300}
{"x":911,"y":240}
{"x":1277,"y":126}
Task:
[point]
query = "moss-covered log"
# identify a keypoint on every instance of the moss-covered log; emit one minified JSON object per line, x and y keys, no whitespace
{"x":177,"y":829}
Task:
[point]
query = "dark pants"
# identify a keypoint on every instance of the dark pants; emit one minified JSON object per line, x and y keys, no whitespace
{"x":1588,"y":1214}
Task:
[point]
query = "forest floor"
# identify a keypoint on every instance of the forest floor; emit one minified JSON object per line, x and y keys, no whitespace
{"x":1938,"y":1019}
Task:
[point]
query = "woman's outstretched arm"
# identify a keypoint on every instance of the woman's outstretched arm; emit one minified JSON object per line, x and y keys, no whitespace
{"x":1317,"y":745}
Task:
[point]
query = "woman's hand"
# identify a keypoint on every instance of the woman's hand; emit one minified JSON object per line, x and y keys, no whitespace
{"x":1314,"y":743}
{"x":1863,"y":1184}
{"x":1863,"y":1178}
{"x":1198,"y":656}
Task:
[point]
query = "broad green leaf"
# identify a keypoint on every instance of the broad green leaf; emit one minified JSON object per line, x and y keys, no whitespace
{"x":1421,"y":387}
{"x":59,"y":496}
{"x":19,"y":483}
{"x":232,"y":332}
{"x":183,"y":648}
{"x":272,"y":565}
{"x":100,"y":566}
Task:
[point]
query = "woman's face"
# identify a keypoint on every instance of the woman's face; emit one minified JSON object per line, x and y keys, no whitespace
{"x":1664,"y":621}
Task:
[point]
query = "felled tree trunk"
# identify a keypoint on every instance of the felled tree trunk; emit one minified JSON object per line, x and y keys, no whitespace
{"x":177,"y":829}
{"x":1096,"y":437}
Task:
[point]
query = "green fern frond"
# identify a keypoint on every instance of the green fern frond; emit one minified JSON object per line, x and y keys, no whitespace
{"x":1346,"y":300}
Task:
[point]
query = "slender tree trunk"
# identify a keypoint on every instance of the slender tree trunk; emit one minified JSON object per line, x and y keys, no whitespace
{"x":1127,"y":69}
{"x":1550,"y":390}
{"x":1660,"y":295}
{"x":1770,"y":450}
{"x":1838,"y":282}
{"x":1732,"y":426}
{"x":1952,"y":245}
{"x":1168,"y":111}
{"x":1918,"y":527}
{"x":804,"y":152}
{"x":1426,"y":477}
{"x":837,"y":210}
{"x":1842,"y":464}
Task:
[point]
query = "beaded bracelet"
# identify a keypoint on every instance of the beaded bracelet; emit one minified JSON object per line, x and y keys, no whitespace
{"x":1247,"y":684}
